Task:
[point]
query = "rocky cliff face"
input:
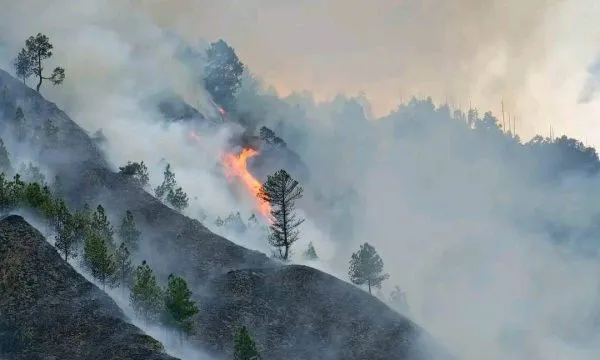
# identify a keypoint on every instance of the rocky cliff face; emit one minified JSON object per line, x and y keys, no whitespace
{"x":296,"y":312}
{"x":49,"y":311}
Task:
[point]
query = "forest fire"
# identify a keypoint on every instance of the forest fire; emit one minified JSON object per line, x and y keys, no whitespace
{"x":236,"y":166}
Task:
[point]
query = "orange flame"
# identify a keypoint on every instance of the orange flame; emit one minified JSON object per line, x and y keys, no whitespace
{"x":236,"y":166}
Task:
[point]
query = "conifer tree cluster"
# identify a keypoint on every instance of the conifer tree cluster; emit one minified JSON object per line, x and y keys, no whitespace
{"x":171,"y":306}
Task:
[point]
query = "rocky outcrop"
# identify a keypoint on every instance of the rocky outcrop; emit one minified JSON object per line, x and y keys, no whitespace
{"x":49,"y":311}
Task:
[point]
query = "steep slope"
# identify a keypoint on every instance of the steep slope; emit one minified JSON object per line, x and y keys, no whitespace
{"x":298,"y":312}
{"x":184,"y":243}
{"x":49,"y":311}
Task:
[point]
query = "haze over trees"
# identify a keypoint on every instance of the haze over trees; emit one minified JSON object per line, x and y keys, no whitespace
{"x":310,"y":253}
{"x":366,"y":267}
{"x":137,"y":172}
{"x":281,"y":191}
{"x":29,"y":61}
{"x":124,"y":269}
{"x":128,"y":232}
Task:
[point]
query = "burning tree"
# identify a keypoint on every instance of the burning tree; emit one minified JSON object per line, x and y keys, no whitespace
{"x":281,"y":192}
{"x":29,"y":61}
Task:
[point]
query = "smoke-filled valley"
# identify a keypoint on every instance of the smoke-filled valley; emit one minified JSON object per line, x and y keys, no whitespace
{"x":433,"y":232}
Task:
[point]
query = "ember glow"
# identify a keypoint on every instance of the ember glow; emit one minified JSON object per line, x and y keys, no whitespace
{"x":237,"y":167}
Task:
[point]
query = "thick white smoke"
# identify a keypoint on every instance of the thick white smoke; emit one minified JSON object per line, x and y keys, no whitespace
{"x":483,"y":286}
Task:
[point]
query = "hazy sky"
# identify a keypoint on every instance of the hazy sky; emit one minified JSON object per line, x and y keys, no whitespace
{"x":533,"y":54}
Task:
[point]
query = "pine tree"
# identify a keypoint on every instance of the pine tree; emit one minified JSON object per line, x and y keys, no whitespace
{"x":101,"y":227}
{"x":223,"y":74}
{"x":99,"y":260}
{"x":179,"y":307}
{"x":167,"y":185}
{"x":310,"y":253}
{"x":146,"y":296}
{"x":81,"y":225}
{"x":17,"y":189}
{"x":128,"y":232}
{"x":178,"y":199}
{"x":366,"y":267}
{"x":84,"y":221}
{"x":29,"y":61}
{"x":50,"y":134}
{"x":7,"y":200}
{"x":123,"y":262}
{"x":23,"y":66}
{"x":58,"y":214}
{"x":398,"y":300}
{"x":19,"y":125}
{"x":244,"y":347}
{"x":281,"y":191}
{"x":138,"y":172}
{"x":235,"y":222}
{"x":5,"y":165}
{"x":58,"y":187}
{"x":66,"y":234}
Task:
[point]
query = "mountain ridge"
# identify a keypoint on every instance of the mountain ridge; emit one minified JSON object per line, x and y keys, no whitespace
{"x":211,"y":265}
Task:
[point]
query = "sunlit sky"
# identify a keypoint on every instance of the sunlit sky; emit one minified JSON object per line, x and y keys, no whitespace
{"x":533,"y":55}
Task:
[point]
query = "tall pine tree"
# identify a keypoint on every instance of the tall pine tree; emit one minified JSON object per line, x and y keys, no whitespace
{"x":146,"y":296}
{"x":124,"y":268}
{"x":179,"y":307}
{"x":244,"y":347}
{"x":66,"y":235}
{"x":223,"y":74}
{"x":128,"y":232}
{"x":100,"y":226}
{"x":99,"y":260}
{"x":167,"y":185}
{"x":5,"y":165}
{"x":281,"y":191}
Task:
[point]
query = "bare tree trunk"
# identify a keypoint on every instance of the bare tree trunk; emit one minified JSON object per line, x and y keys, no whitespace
{"x":39,"y":74}
{"x":369,"y":282}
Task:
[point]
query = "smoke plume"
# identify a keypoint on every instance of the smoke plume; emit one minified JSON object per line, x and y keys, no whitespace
{"x":447,"y":222}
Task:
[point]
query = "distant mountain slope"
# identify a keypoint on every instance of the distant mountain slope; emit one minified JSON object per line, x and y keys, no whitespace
{"x":49,"y":311}
{"x":298,"y":312}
